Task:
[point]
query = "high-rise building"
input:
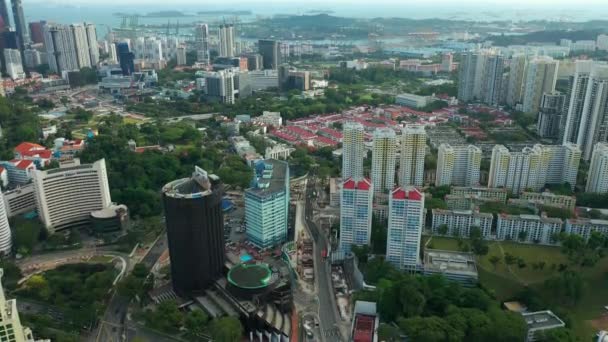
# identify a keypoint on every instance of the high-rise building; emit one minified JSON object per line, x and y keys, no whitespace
{"x":92,"y":43}
{"x":181,"y":55}
{"x":201,"y":36}
{"x":112,"y":54}
{"x":587,"y":119}
{"x":447,"y":60}
{"x":6,"y":21}
{"x":126,"y":58}
{"x":517,"y":73}
{"x":470,"y":75}
{"x":223,"y":85}
{"x":353,"y":151}
{"x":271,"y":56}
{"x":32,"y":58}
{"x":356,"y":199}
{"x":20,"y":24}
{"x":541,"y":75}
{"x":81,"y":45}
{"x":60,"y":47}
{"x":602,"y":42}
{"x":36,"y":32}
{"x":14,"y":68}
{"x":413,"y":150}
{"x":267,"y":204}
{"x":458,"y":165}
{"x":11,"y":329}
{"x":492,"y":79}
{"x":254,"y":62}
{"x":533,"y":168}
{"x":195,"y":230}
{"x":66,"y":196}
{"x":6,"y":241}
{"x":550,"y":115}
{"x":384,"y":158}
{"x":226,"y":39}
{"x":405,"y":225}
{"x":597,"y":178}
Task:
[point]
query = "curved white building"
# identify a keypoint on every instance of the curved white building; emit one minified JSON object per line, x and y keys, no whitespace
{"x":66,"y":196}
{"x":6,"y":242}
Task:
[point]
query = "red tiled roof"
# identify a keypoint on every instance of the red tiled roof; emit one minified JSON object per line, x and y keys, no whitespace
{"x":364,"y":328}
{"x":331,"y":132}
{"x":326,"y":141}
{"x":411,"y":194}
{"x":25,"y":147}
{"x":282,"y":135}
{"x":351,"y":184}
{"x":44,"y":154}
{"x":299,"y":131}
{"x":24,"y":164}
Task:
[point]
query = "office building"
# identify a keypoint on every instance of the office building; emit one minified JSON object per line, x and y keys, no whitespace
{"x":412,"y":100}
{"x":267,"y":204}
{"x":413,"y":150}
{"x":353,"y":151}
{"x":36,"y":32}
{"x":528,"y":228}
{"x":517,"y":73}
{"x":32,"y":58}
{"x":20,"y":24}
{"x":492,"y":79}
{"x":458,"y":165}
{"x":223,"y":85}
{"x":459,"y":222}
{"x":112,"y":54}
{"x":60,"y":47}
{"x":597,"y":177}
{"x":470,"y":75}
{"x":201,"y":36}
{"x":540,"y":321}
{"x":11,"y":329}
{"x":226,"y":39}
{"x":66,"y":196}
{"x":14,"y":68}
{"x":126,"y":58}
{"x":254,"y":62}
{"x":81,"y":45}
{"x":92,"y":43}
{"x":355,"y":213}
{"x":550,"y":115}
{"x":405,"y":225}
{"x":6,"y":241}
{"x":195,"y":231}
{"x":181,"y":55}
{"x":269,"y":50}
{"x":384,"y":158}
{"x":583,"y":227}
{"x":541,"y":75}
{"x":587,"y":120}
{"x":4,"y":16}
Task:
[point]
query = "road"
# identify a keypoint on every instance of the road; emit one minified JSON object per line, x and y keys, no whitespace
{"x":328,"y":314}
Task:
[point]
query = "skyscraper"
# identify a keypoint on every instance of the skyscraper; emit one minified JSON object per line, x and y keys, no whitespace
{"x":6,"y":21}
{"x":60,"y":47}
{"x":587,"y":119}
{"x":356,"y":199}
{"x":201,"y":36}
{"x":405,"y":225}
{"x":223,"y":85}
{"x":517,"y":73}
{"x":597,"y":178}
{"x":458,"y":165}
{"x":92,"y":43}
{"x":384,"y":158}
{"x":413,"y":150}
{"x":353,"y":151}
{"x":226,"y":38}
{"x":541,"y":75}
{"x":36,"y":32}
{"x":271,"y":56}
{"x":81,"y":45}
{"x":492,"y":79}
{"x":267,"y":204}
{"x":125,"y":58}
{"x":550,"y":115}
{"x":181,"y":55}
{"x":470,"y":75}
{"x":20,"y":24}
{"x":195,"y":230}
{"x":6,"y":241}
{"x":10,"y":324}
{"x":14,"y":68}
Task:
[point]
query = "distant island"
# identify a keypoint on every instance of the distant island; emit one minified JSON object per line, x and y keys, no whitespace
{"x":228,"y":12}
{"x":320,"y":12}
{"x":159,"y":14}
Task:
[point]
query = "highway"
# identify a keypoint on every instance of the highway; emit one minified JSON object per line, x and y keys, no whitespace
{"x":328,"y":313}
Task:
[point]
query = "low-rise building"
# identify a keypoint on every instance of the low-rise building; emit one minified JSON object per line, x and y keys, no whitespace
{"x":365,"y":322}
{"x":549,"y":199}
{"x":269,"y":118}
{"x":467,"y":202}
{"x":459,"y":222}
{"x":540,"y":321}
{"x":584,"y":227}
{"x":20,"y":200}
{"x":413,"y":100}
{"x":335,"y":185}
{"x":490,"y":193}
{"x":455,"y":266}
{"x":528,"y":228}
{"x":278,"y":151}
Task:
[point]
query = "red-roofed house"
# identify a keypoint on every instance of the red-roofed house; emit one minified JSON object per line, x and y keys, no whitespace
{"x":355,"y":213}
{"x":405,"y":224}
{"x":19,"y":171}
{"x":34,"y":152}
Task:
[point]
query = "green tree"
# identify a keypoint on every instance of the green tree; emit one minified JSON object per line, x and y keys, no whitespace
{"x":442,"y":229}
{"x":196,"y":322}
{"x":557,"y":335}
{"x":226,"y":329}
{"x":495,"y":260}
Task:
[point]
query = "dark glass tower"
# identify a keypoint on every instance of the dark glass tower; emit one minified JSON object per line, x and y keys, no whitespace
{"x":195,"y":230}
{"x":20,"y":25}
{"x":126,"y":58}
{"x":6,"y":21}
{"x":271,"y":54}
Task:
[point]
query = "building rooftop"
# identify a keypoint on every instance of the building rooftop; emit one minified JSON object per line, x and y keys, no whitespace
{"x":362,"y":184}
{"x":542,"y":320}
{"x":409,"y":193}
{"x":450,"y":261}
{"x":269,"y":177}
{"x":250,"y":276}
{"x":200,"y":184}
{"x":461,"y":212}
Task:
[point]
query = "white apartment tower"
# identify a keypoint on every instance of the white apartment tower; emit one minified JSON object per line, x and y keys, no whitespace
{"x":60,"y":47}
{"x":356,"y":199}
{"x":413,"y":150}
{"x":181,"y":55}
{"x":384,"y":158}
{"x":492,"y":79}
{"x":470,"y":75}
{"x":201,"y":36}
{"x":14,"y":68}
{"x":66,"y":196}
{"x":226,"y":38}
{"x":597,"y":179}
{"x":81,"y":45}
{"x":516,"y":79}
{"x":353,"y":151}
{"x":405,"y":225}
{"x":458,"y":165}
{"x":92,"y":43}
{"x":541,"y":75}
{"x":6,"y":241}
{"x":11,"y":329}
{"x":587,"y":120}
